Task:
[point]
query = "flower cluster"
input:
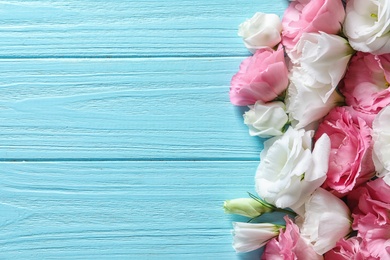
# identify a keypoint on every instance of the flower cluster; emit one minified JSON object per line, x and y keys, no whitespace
{"x":317,"y":88}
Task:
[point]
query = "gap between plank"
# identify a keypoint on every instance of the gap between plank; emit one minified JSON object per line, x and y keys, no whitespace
{"x":186,"y":56}
{"x":125,"y":159}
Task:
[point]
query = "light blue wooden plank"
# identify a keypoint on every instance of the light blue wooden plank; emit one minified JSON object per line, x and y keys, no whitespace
{"x":121,"y":108}
{"x":111,"y":28}
{"x":65,"y":112}
{"x":113,"y":210}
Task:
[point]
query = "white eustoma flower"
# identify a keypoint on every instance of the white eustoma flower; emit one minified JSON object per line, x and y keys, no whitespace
{"x":262,"y":30}
{"x":290,"y":169}
{"x":367,"y":25}
{"x":305,"y":99}
{"x":326,"y":220}
{"x":266,"y":119}
{"x":381,"y":138}
{"x":324,"y":57}
{"x":251,"y":236}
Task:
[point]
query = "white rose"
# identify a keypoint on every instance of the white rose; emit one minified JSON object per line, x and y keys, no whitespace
{"x":367,"y":25}
{"x":289,"y":170}
{"x":262,"y":30}
{"x":266,"y":119}
{"x":326,"y":219}
{"x":248,"y":236}
{"x":324,"y":57}
{"x":381,"y":138}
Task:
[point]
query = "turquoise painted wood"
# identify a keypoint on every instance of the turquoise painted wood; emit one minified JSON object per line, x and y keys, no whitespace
{"x":105,"y":210}
{"x":117,"y":138}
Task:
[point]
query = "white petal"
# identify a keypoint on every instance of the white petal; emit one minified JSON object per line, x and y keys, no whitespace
{"x":248,"y":237}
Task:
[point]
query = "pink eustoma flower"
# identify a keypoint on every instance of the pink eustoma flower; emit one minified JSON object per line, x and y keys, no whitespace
{"x":263,"y":76}
{"x":350,"y":160}
{"x":311,"y":16}
{"x":376,"y":237}
{"x":366,"y":83}
{"x":371,"y":213}
{"x":350,"y":249}
{"x":289,"y":245}
{"x":372,"y":198}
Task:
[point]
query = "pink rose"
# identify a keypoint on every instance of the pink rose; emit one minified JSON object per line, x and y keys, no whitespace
{"x":371,"y":213}
{"x":350,"y":160}
{"x":307,"y":17}
{"x":366,"y":83}
{"x":351,"y":249}
{"x":289,"y":245}
{"x":262,"y":76}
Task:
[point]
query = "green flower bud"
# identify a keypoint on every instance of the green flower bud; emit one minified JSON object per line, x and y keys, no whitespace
{"x":247,"y":207}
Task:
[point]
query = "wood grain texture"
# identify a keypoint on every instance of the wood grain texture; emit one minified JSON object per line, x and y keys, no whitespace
{"x":117,"y":137}
{"x":121,"y":108}
{"x":83,"y":210}
{"x":131,"y":28}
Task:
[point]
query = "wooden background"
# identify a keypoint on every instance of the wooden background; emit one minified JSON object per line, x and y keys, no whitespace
{"x":117,"y":138}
